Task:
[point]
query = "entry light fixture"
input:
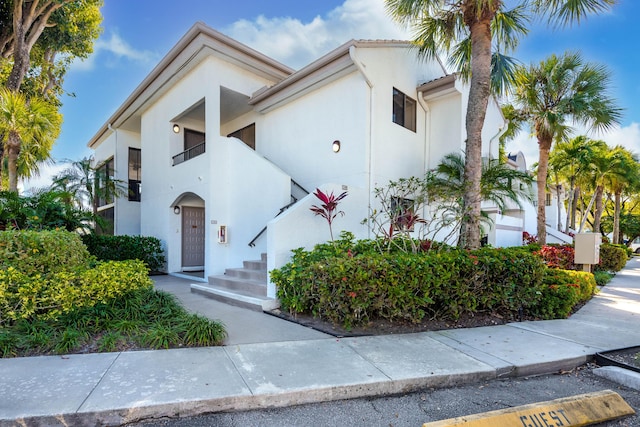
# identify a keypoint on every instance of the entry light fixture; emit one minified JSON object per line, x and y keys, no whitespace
{"x":335,"y":146}
{"x":176,"y":210}
{"x":176,"y":128}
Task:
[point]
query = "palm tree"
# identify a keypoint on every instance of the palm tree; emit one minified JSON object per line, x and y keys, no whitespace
{"x":85,"y":184}
{"x":24,"y":121}
{"x":499,"y":184}
{"x":627,"y":176}
{"x":600,"y":168}
{"x":558,"y":90}
{"x":572,"y":159}
{"x":464,"y":30}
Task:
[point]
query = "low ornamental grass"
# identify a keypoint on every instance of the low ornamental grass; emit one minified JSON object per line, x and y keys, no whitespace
{"x":55,"y":298}
{"x":159,"y":322}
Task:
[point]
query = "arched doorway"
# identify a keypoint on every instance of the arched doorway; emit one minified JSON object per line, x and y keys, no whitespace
{"x":191,"y":209}
{"x":192,"y":238}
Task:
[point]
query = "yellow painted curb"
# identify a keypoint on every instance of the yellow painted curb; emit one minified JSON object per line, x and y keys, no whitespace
{"x":580,"y":410}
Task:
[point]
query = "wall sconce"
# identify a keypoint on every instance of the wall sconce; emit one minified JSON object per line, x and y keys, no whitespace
{"x":176,"y":210}
{"x":335,"y":146}
{"x":176,"y":128}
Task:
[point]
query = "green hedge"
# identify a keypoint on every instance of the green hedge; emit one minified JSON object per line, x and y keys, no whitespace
{"x":562,"y":290}
{"x":338,"y":283}
{"x":24,"y":296}
{"x":119,"y":248}
{"x":42,"y":252}
{"x":612,"y":258}
{"x":44,"y":274}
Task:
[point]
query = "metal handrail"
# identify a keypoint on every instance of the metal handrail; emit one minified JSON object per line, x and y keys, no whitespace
{"x":252,"y":243}
{"x":189,"y":154}
{"x":299,"y":186}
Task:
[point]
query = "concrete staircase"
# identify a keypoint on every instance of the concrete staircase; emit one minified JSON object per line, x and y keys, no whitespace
{"x":242,"y":287}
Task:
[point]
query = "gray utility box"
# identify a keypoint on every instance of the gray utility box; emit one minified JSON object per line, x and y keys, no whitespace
{"x":587,"y":248}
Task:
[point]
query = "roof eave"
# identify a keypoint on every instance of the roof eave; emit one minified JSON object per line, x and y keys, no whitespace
{"x":277,"y":69}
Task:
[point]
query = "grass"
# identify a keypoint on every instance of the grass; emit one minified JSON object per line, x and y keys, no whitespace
{"x":145,"y":319}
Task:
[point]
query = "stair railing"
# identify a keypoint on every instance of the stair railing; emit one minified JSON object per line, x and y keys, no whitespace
{"x":294,"y":200}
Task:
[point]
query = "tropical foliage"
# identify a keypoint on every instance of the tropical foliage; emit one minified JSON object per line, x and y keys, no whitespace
{"x":475,"y":35}
{"x":28,"y":129}
{"x":38,"y":42}
{"x":42,"y":210}
{"x":351,"y":283}
{"x":328,"y":209}
{"x":55,"y":298}
{"x":433,"y":207}
{"x":553,"y":94}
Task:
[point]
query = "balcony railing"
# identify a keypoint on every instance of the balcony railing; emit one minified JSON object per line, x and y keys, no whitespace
{"x":189,"y":154}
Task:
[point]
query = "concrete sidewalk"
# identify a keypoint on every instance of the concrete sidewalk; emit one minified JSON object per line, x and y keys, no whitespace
{"x":270,"y":362}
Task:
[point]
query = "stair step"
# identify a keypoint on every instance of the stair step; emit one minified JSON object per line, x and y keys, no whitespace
{"x":235,"y":298}
{"x":245,"y":273}
{"x":243,"y":287}
{"x":237,"y":284}
{"x":259,"y":265}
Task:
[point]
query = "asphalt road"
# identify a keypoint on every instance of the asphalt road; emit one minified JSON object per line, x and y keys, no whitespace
{"x":427,"y":405}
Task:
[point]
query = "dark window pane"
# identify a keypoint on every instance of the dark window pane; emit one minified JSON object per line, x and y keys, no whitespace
{"x":135,"y":174}
{"x":105,"y":225}
{"x":404,"y":110}
{"x":193,"y":138}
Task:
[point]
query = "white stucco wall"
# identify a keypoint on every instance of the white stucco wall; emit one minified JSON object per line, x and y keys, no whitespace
{"x":298,"y":136}
{"x":211,"y":176}
{"x":445,"y":128}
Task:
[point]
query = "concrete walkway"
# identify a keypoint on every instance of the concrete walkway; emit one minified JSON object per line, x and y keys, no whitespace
{"x":271,"y":362}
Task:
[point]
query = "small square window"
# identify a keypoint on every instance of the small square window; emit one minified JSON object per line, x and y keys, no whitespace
{"x":404,"y":110}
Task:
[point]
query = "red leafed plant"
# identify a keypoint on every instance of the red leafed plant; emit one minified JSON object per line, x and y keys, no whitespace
{"x":558,"y":256}
{"x":329,"y":207}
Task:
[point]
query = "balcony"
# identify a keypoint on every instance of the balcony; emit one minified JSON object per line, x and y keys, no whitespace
{"x":189,"y":154}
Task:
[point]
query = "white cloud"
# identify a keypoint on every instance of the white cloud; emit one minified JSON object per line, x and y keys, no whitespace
{"x":117,"y":48}
{"x":297,"y":43}
{"x":626,"y":136}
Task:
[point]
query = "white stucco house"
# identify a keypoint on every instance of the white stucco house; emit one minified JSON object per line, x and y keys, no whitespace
{"x":219,"y":141}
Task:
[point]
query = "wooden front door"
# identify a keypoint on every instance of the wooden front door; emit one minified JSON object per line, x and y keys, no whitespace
{"x":192,"y":238}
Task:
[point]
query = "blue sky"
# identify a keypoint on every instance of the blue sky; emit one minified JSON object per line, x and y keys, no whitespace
{"x":137,"y":34}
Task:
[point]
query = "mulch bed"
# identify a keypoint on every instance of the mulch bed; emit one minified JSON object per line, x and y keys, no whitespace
{"x":385,"y":327}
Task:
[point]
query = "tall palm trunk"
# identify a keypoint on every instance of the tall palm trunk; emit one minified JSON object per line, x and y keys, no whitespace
{"x":13,"y":150}
{"x":570,"y":205}
{"x":559,"y":198}
{"x":616,"y":217}
{"x":597,"y":216}
{"x":544,"y":146}
{"x":479,"y":92}
{"x":574,"y":206}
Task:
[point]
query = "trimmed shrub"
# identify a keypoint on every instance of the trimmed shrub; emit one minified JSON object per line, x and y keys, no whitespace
{"x":602,"y":277}
{"x":119,"y":248}
{"x":337,"y":283}
{"x":505,"y":279}
{"x":42,"y":252}
{"x":49,"y":296}
{"x":561,"y":291}
{"x":612,"y":258}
